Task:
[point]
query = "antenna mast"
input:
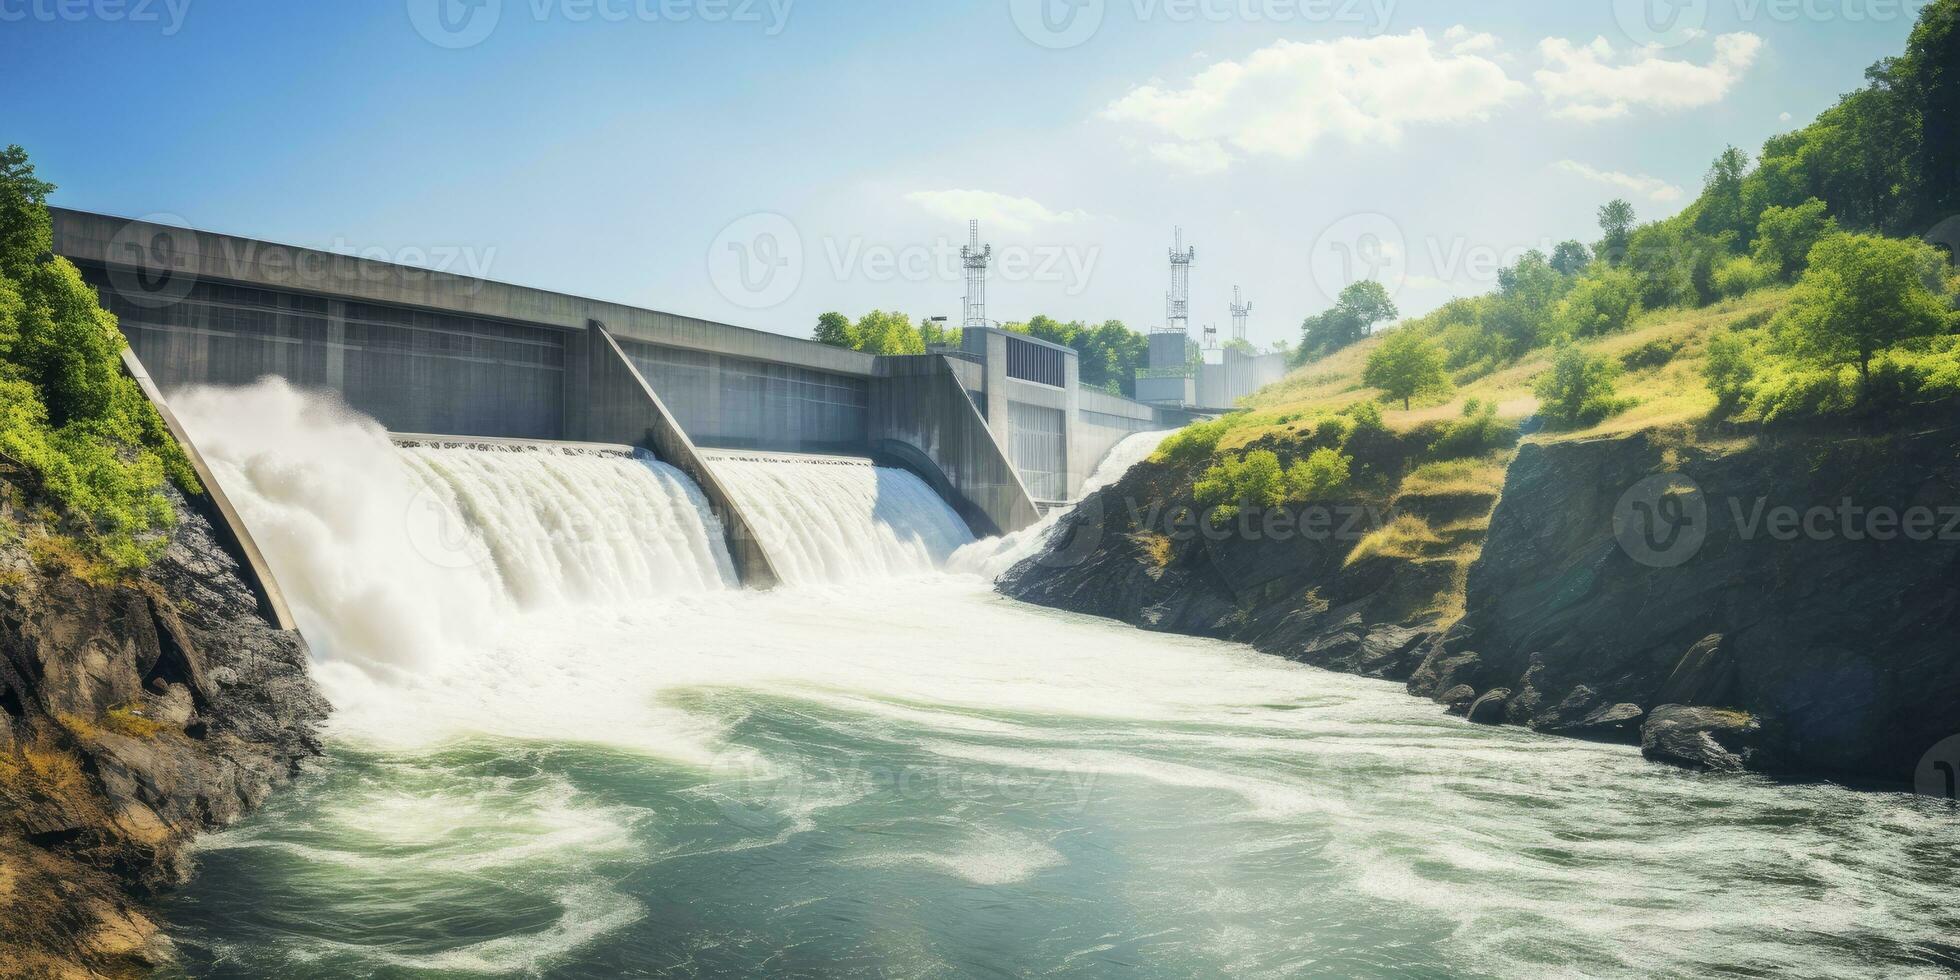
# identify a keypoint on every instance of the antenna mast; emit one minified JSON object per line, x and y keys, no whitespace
{"x":975,"y":259}
{"x":1240,"y":310}
{"x":1178,"y":301}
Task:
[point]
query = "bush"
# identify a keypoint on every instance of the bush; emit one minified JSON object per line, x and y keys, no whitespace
{"x":1741,"y":275}
{"x":1652,"y":354}
{"x":1577,"y":391}
{"x":1192,"y":444}
{"x":1256,"y":480}
{"x":1863,"y":294}
{"x":68,"y":415}
{"x":1729,"y":368}
{"x":1320,"y":476}
{"x":1477,"y":433}
{"x":1366,"y":415}
{"x":1603,"y":301}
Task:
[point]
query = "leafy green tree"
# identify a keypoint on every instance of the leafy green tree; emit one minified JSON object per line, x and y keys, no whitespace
{"x":835,"y":329}
{"x":1521,"y":313}
{"x":1109,"y":354}
{"x":1740,"y":275}
{"x":1603,"y":301}
{"x":935,"y":333}
{"x":1570,"y":258}
{"x":879,"y":332}
{"x":1578,"y":389}
{"x":1863,"y":294}
{"x":1361,"y":305}
{"x":1722,"y":209}
{"x":1616,"y":231}
{"x":1784,"y":236}
{"x":1404,"y":366}
{"x":1728,"y":369}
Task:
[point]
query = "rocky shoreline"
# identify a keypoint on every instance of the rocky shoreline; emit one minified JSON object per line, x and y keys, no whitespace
{"x":137,"y":714}
{"x":1642,"y":588}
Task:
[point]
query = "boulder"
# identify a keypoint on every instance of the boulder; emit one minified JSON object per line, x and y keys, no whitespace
{"x":1715,"y":739}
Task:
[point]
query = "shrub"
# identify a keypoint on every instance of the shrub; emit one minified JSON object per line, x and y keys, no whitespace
{"x":1478,"y":432}
{"x":1740,"y":275}
{"x":1577,"y":390}
{"x":1729,"y":368}
{"x":1320,"y":476}
{"x":1652,"y":354}
{"x":1603,"y":301}
{"x":1192,"y":444}
{"x":68,"y":415}
{"x":1784,"y":236}
{"x":1366,"y":415}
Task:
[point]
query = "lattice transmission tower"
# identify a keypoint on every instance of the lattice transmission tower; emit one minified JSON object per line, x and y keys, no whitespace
{"x":975,"y":259}
{"x":1240,"y":311}
{"x":1177,"y":302}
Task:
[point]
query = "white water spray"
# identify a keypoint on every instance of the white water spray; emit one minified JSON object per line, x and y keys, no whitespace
{"x":394,"y":556}
{"x":826,"y":519}
{"x":992,"y":557}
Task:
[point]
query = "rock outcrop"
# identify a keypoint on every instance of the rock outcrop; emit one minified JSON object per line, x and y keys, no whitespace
{"x":1781,"y":601}
{"x":134,"y":714}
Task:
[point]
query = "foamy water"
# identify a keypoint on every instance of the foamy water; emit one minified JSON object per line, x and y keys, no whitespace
{"x":909,"y":775}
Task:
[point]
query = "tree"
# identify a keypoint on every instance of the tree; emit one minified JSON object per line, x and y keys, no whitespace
{"x":878,"y":332}
{"x":1784,"y":236}
{"x":1109,"y":354}
{"x":1862,"y":294}
{"x":1521,"y":313}
{"x":1616,"y":229}
{"x":1361,"y":305}
{"x":1722,"y":208}
{"x":1404,"y":366}
{"x":935,"y":333}
{"x":1603,"y":301}
{"x":1570,"y":258}
{"x":1577,"y":390}
{"x":834,"y":329}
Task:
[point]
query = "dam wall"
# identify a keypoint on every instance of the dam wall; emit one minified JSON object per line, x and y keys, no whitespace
{"x":431,"y":352}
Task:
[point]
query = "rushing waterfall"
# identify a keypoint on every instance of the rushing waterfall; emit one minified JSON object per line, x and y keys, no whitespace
{"x":827,"y":519}
{"x":993,"y":556}
{"x":389,"y":555}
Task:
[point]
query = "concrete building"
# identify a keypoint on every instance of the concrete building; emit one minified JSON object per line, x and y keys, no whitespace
{"x":1000,"y":427}
{"x":1215,"y":384}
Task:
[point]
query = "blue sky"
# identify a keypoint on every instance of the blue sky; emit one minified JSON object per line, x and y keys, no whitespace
{"x":762,"y":162}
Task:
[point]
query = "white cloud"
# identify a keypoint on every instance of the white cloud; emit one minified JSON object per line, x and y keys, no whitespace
{"x":1004,"y":211}
{"x":1591,"y":82}
{"x":1653,"y":188}
{"x":1462,"y":40}
{"x":1783,"y":116}
{"x":1282,"y":99}
{"x":1196,"y":157}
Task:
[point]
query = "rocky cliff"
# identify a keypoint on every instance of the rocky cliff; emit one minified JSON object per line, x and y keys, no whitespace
{"x":1784,"y":601}
{"x":134,"y":714}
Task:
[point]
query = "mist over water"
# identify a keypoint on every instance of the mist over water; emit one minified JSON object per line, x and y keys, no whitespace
{"x":584,"y":753}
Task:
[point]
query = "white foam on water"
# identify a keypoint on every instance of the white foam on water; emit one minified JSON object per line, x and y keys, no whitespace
{"x":825,"y":520}
{"x":992,"y":557}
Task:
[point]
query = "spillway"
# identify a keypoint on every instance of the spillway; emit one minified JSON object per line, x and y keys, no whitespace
{"x":826,"y":519}
{"x":391,"y":554}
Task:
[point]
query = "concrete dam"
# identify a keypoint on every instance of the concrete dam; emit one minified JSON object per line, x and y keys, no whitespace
{"x":999,"y":429}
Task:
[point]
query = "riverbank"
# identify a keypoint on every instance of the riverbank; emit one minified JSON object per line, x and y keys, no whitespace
{"x":1729,"y":642}
{"x":139,"y":712}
